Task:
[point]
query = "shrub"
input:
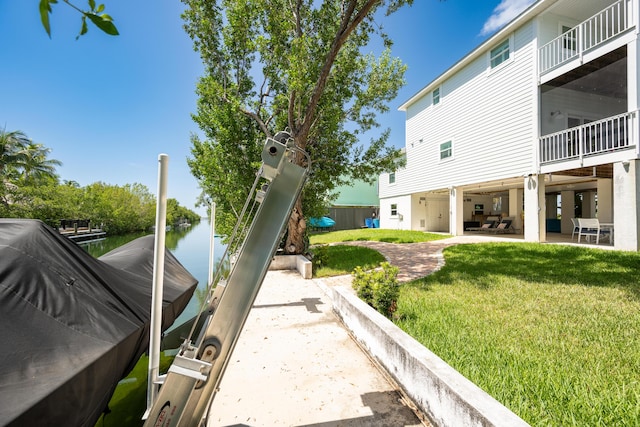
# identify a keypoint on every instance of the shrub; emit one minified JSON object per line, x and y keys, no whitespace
{"x":320,"y":257}
{"x":379,"y":288}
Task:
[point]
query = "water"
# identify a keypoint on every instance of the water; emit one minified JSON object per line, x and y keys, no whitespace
{"x":189,"y":245}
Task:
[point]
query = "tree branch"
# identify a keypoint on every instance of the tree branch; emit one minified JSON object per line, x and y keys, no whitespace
{"x":346,"y":28}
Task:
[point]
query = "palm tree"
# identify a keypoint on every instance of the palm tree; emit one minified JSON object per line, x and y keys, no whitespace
{"x":22,"y":158}
{"x":22,"y":162}
{"x":12,"y":145}
{"x":35,"y":164}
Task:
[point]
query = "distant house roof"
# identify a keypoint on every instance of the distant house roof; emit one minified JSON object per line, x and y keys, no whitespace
{"x":360,"y":193}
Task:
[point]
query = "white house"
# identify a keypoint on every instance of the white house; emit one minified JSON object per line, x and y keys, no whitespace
{"x":539,"y":123}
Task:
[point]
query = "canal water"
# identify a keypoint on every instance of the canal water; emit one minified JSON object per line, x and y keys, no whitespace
{"x":189,"y":244}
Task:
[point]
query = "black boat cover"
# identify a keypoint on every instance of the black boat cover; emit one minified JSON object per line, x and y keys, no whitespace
{"x":72,"y":326}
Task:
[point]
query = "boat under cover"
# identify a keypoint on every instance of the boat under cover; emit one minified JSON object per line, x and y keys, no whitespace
{"x":72,"y":326}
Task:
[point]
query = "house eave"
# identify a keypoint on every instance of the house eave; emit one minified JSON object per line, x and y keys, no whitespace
{"x":530,"y":13}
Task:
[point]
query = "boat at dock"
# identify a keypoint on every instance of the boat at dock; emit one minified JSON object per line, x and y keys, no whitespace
{"x":72,"y":325}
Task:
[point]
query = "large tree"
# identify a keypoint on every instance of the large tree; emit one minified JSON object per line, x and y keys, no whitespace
{"x":295,"y":64}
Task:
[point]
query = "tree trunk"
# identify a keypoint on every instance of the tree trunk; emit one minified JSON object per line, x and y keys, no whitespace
{"x":296,"y":231}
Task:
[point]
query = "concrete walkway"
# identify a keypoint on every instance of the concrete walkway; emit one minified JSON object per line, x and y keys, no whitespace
{"x":296,"y":365}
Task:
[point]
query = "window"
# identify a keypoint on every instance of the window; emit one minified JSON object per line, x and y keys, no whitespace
{"x":394,"y":209}
{"x":446,"y":150}
{"x":436,"y":96}
{"x":499,"y":54}
{"x":392,"y":178}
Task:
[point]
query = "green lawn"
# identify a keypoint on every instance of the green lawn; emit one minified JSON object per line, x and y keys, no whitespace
{"x":552,"y":332}
{"x":336,"y":260}
{"x":375,"y":235}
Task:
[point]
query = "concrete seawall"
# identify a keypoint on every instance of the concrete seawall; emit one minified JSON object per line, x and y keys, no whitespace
{"x":445,"y":396}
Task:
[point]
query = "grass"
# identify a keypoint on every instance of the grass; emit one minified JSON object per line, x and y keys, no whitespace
{"x":338,"y":260}
{"x":552,"y":332}
{"x":342,"y":259}
{"x":375,"y":235}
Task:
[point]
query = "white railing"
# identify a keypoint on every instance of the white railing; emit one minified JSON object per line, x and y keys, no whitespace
{"x":606,"y":135}
{"x":593,"y":32}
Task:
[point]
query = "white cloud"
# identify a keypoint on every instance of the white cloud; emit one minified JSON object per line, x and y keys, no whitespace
{"x":504,"y":13}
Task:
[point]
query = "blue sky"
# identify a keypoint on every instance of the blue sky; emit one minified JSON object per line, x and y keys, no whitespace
{"x":108,"y":106}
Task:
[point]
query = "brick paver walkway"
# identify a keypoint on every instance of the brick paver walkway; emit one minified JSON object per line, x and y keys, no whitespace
{"x":416,"y":260}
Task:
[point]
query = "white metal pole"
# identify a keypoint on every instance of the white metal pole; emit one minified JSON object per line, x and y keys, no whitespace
{"x":212,"y":243}
{"x":158,"y":280}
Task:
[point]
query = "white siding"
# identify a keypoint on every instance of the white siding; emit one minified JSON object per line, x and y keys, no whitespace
{"x":488,"y":114}
{"x":401,"y":221}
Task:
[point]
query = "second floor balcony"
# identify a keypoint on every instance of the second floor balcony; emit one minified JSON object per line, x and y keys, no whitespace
{"x":608,"y":135}
{"x":603,"y":27}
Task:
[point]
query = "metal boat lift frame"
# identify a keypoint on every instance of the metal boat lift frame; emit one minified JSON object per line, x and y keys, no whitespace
{"x":194,"y":377}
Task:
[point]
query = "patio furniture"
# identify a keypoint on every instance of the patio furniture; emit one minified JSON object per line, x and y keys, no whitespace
{"x":589,"y":227}
{"x":505,"y":226}
{"x":575,"y":228}
{"x":607,"y":229}
{"x":490,"y":223}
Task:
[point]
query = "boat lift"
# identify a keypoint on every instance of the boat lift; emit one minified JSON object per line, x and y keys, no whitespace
{"x":186,"y":392}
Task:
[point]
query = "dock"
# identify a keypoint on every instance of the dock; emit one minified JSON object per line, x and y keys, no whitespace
{"x":80,"y":230}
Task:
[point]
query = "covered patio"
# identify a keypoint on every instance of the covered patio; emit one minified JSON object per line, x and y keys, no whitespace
{"x":541,"y":206}
{"x":552,"y":238}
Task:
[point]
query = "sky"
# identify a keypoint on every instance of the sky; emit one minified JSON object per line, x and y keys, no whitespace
{"x":107,"y":106}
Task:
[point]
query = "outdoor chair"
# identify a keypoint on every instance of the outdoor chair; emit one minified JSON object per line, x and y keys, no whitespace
{"x":505,"y":226}
{"x":490,"y":223}
{"x":575,"y":228}
{"x":589,"y":227}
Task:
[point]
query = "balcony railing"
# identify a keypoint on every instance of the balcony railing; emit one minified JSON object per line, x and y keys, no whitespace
{"x":603,"y":136}
{"x":598,"y":29}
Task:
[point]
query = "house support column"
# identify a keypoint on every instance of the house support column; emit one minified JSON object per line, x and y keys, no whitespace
{"x":605,"y":200}
{"x":534,"y":209}
{"x":515,"y":207}
{"x":567,"y":210}
{"x":589,"y":204}
{"x":633,"y":74}
{"x":456,"y":212}
{"x":626,"y":211}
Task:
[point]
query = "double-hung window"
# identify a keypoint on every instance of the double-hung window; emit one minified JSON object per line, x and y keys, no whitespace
{"x":436,"y":96}
{"x":392,"y":178}
{"x":500,"y":54}
{"x":394,"y":209}
{"x":446,"y":150}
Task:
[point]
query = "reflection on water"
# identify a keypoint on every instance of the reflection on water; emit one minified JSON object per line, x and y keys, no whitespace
{"x":190,"y":245}
{"x":100,"y":247}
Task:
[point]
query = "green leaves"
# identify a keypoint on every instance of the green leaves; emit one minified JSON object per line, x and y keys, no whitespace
{"x":104,"y":22}
{"x":45,"y":10}
{"x":101,"y":20}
